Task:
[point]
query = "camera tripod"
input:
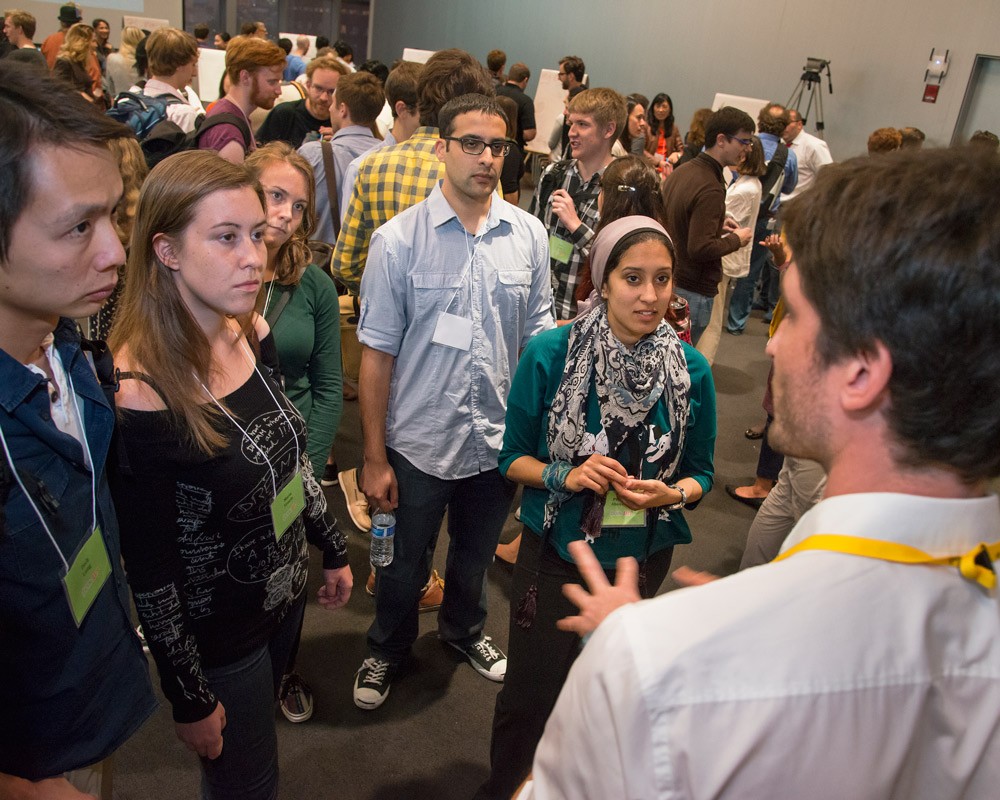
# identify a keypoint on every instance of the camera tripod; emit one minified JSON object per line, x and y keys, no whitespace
{"x":811,"y":82}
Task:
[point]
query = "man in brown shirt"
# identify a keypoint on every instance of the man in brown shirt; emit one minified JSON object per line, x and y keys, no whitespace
{"x":694,"y":198}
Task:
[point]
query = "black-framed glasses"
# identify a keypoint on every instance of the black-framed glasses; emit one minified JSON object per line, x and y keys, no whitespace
{"x":744,"y":142}
{"x":474,"y":146}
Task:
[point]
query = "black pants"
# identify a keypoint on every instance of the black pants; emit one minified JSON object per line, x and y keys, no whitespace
{"x":539,"y":659}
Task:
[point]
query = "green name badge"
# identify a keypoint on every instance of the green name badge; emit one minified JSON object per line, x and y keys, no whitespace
{"x":288,"y":504}
{"x":86,"y":576}
{"x":560,"y":249}
{"x":618,"y":515}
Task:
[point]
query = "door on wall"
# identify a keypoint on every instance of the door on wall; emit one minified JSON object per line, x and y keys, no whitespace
{"x":981,"y":105}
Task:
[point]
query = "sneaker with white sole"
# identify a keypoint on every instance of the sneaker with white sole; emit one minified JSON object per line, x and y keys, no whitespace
{"x":372,"y":682}
{"x":330,"y":475}
{"x":295,"y":698}
{"x":486,"y":658}
{"x":357,"y":503}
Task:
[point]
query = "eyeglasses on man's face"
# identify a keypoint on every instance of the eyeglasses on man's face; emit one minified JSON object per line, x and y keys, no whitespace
{"x":475,"y":146}
{"x":744,"y":142}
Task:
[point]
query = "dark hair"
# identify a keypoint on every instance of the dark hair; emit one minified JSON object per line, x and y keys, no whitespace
{"x":322,"y":41}
{"x":402,"y":85}
{"x":510,"y":111}
{"x":771,"y":121}
{"x":913,"y":137}
{"x":629,"y":241}
{"x":631,"y":188}
{"x":248,"y":29}
{"x":755,"y":163}
{"x":728,"y":121}
{"x":141,"y":65}
{"x":574,"y":66}
{"x":465,"y":104}
{"x":39,"y":110}
{"x":495,"y":60}
{"x":631,"y":102}
{"x":25,"y":21}
{"x":376,"y":68}
{"x":518,"y":72}
{"x":654,"y":123}
{"x":448,"y":74}
{"x":362,"y":93}
{"x":98,"y":21}
{"x":904,"y":250}
{"x":285,"y":44}
{"x":201,"y":31}
{"x":225,"y":35}
{"x":343,"y":49}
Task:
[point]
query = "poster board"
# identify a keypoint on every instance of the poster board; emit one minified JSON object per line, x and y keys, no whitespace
{"x":211,"y":66}
{"x":145,"y":23}
{"x":293,"y":37}
{"x":417,"y":55}
{"x":751,"y":105}
{"x":550,"y":100}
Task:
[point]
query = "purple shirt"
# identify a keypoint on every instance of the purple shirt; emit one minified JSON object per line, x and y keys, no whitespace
{"x":221,"y":135}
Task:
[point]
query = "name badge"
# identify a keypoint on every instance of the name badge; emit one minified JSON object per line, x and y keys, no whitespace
{"x":560,"y":249}
{"x":88,"y":571}
{"x":618,"y":515}
{"x":288,"y":504}
{"x":453,"y":331}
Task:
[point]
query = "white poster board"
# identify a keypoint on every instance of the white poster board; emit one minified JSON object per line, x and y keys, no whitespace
{"x":145,"y":23}
{"x":211,"y":66}
{"x":751,"y":105}
{"x":419,"y":56}
{"x":550,"y":99}
{"x":294,"y":37}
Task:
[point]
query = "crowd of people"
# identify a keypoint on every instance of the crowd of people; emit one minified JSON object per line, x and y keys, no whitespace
{"x":566,"y":349}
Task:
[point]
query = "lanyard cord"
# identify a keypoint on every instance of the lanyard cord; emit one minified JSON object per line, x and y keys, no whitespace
{"x":93,"y":476}
{"x":975,"y":565}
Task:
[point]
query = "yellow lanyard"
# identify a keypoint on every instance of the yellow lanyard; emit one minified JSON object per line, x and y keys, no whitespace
{"x":975,"y":565}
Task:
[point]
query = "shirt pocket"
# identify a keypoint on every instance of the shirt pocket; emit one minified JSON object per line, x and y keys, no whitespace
{"x":24,"y":545}
{"x":513,"y":286}
{"x":436,"y":292}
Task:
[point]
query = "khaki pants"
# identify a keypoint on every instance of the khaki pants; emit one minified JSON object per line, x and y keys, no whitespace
{"x":95,"y":779}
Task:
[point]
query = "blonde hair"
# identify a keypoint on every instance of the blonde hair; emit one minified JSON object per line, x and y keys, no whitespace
{"x":131,"y":36}
{"x":132,"y":165}
{"x":163,"y":339}
{"x":76,"y":45}
{"x":294,"y":255}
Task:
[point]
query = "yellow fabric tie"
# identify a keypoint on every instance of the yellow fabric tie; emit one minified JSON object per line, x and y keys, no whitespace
{"x":975,"y":565}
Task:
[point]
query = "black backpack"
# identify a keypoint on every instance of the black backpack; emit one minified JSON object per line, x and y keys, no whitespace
{"x":158,"y":136}
{"x":774,"y":177}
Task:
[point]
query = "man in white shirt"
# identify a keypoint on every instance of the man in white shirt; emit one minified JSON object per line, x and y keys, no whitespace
{"x":173,"y":62}
{"x":811,"y":152}
{"x":865,"y":661}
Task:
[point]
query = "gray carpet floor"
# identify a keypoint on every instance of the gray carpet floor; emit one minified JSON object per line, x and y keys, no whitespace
{"x":431,"y":737}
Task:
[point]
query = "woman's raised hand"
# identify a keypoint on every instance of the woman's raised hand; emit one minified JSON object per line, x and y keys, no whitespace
{"x":597,"y":473}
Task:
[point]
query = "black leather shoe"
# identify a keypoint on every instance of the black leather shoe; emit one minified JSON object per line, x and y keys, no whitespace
{"x":753,"y":502}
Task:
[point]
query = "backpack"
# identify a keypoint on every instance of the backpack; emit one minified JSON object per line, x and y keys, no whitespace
{"x":158,"y":136}
{"x":773,"y":177}
{"x":552,"y":178}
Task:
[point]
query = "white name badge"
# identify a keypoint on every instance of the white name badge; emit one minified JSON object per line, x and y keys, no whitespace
{"x":453,"y":331}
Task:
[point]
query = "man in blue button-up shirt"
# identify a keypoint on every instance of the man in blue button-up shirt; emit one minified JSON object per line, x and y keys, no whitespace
{"x":73,"y":680}
{"x":455,"y":286}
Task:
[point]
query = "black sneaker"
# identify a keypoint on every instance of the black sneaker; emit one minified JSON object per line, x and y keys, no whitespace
{"x":329,"y":475}
{"x":295,"y":698}
{"x":372,"y":682}
{"x":486,"y":658}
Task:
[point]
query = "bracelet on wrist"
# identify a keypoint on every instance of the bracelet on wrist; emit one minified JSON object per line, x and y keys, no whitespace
{"x":684,"y":498}
{"x":554,"y":475}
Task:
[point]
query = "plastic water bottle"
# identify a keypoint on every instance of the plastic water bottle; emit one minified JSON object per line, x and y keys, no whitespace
{"x":383,"y":532}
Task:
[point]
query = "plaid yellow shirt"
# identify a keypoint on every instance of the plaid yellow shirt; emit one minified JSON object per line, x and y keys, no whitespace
{"x":390,"y":180}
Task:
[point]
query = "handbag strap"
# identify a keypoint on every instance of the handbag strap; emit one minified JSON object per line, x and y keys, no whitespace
{"x":331,"y":185}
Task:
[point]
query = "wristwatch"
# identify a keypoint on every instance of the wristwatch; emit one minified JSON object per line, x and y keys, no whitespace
{"x":684,"y":498}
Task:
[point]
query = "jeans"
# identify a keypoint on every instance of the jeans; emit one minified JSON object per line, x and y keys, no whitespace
{"x":760,"y":257}
{"x":248,"y":766}
{"x":701,"y":311}
{"x":539,"y":659}
{"x":477,"y":508}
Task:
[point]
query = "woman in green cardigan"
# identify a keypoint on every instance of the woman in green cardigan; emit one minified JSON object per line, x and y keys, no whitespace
{"x":611,"y":430}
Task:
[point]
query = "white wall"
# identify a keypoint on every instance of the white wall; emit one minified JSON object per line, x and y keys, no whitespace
{"x":879,"y":51}
{"x":47,"y":13}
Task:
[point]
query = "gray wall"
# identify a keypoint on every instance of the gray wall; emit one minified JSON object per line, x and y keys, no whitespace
{"x":47,"y":14}
{"x":878,"y":50}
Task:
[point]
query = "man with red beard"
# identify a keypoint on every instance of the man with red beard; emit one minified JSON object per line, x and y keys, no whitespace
{"x":254,"y":67}
{"x":292,"y":122}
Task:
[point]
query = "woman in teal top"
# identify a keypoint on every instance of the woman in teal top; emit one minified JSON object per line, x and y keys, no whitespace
{"x":611,"y":430}
{"x":300,"y":304}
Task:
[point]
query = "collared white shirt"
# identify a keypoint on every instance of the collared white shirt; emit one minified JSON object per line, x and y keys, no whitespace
{"x":812,"y":153}
{"x":447,"y":405}
{"x":822,"y":676}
